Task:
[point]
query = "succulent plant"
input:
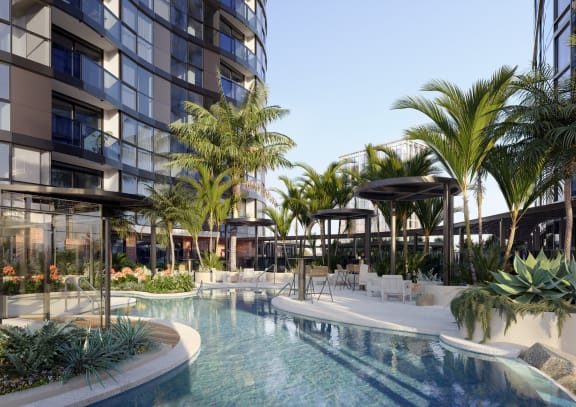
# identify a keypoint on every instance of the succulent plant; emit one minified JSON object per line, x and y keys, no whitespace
{"x":536,"y":279}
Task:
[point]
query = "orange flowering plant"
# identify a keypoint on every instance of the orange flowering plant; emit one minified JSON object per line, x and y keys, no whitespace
{"x":8,"y":270}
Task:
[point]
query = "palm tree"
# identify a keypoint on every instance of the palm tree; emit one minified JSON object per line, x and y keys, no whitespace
{"x":391,"y":165}
{"x":545,"y":119}
{"x":192,"y":221}
{"x":459,"y":130}
{"x":293,"y":200}
{"x":319,"y":191}
{"x":282,"y":222}
{"x":166,"y":204}
{"x":226,"y":137}
{"x":521,"y":180}
{"x":430,"y":215}
{"x":211,"y":190}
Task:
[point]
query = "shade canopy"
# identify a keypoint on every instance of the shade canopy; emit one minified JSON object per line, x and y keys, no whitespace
{"x":407,"y":188}
{"x":248,"y":221}
{"x":342,"y":214}
{"x":414,"y":189}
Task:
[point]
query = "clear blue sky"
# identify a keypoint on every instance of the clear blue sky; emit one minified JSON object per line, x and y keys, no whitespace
{"x":338,"y":66}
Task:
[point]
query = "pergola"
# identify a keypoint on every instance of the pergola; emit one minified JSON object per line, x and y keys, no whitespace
{"x":346,"y":214}
{"x":413,"y":189}
{"x":255,"y":222}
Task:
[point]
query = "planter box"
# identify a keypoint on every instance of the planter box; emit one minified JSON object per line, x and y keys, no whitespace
{"x":442,"y":294}
{"x":205,"y":276}
{"x":529,"y":330}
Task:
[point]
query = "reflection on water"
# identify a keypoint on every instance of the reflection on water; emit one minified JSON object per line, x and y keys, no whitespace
{"x":254,"y":355}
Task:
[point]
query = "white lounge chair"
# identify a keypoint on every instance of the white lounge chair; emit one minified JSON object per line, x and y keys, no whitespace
{"x":362,"y":276}
{"x":396,"y":286}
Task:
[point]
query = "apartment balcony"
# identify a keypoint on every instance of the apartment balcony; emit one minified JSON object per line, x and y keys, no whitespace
{"x":240,"y":10}
{"x":239,"y":51}
{"x":73,"y":133}
{"x":95,"y":79}
{"x":234,"y":91}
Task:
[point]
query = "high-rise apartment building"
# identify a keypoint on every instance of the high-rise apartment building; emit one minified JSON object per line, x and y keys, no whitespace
{"x":89,"y":87}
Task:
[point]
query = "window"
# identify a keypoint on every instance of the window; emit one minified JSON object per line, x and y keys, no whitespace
{"x":129,"y":184}
{"x":76,"y":125}
{"x":4,"y":37}
{"x":73,"y":177}
{"x":563,"y":48}
{"x":4,"y":116}
{"x":136,"y":31}
{"x":137,"y":87}
{"x":31,"y":166}
{"x":4,"y":160}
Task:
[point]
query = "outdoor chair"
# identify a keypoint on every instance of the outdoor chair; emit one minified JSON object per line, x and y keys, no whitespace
{"x":373,"y":285}
{"x":318,"y":272}
{"x":340,"y":276}
{"x":396,"y":286}
{"x":363,"y":277}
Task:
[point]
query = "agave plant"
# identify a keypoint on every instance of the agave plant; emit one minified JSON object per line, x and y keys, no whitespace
{"x":536,"y":279}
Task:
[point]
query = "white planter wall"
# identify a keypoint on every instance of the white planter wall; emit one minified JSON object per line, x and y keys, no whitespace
{"x":530,"y":329}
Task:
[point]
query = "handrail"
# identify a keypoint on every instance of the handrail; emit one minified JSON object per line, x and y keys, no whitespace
{"x":258,"y":278}
{"x":289,"y":283}
{"x":80,"y":291}
{"x":200,"y":287}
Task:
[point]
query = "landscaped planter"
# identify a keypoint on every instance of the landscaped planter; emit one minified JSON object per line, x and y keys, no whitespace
{"x":442,"y":294}
{"x":530,"y":329}
{"x":205,"y":276}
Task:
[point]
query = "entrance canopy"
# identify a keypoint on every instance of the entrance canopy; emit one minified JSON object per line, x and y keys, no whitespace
{"x":414,"y":189}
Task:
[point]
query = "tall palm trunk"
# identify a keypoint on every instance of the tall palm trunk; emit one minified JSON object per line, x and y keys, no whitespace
{"x":170,"y":227}
{"x":569,"y":215}
{"x":405,"y":242}
{"x":234,"y":232}
{"x":479,"y":203}
{"x":513,"y":226}
{"x":468,"y":233}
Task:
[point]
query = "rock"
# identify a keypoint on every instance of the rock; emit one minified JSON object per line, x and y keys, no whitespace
{"x":554,"y":363}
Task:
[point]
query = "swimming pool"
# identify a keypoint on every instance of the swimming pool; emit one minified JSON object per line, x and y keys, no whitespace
{"x":255,"y":355}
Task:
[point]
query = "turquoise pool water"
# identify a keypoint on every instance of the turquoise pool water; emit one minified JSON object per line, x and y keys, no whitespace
{"x":255,"y":355}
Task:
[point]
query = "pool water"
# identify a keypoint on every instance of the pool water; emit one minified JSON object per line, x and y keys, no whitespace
{"x":255,"y":355}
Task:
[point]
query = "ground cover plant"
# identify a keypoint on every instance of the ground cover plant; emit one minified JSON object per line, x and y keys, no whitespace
{"x":30,"y":357}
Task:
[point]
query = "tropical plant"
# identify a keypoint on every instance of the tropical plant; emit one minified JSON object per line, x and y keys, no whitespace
{"x":134,"y":335}
{"x":521,"y":180}
{"x":536,"y":279}
{"x":460,"y":130}
{"x":282,"y":221}
{"x":95,"y":354}
{"x":211,"y":190}
{"x":319,"y":191}
{"x":430,"y":213}
{"x":545,"y":120}
{"x":383,"y":162}
{"x":166,"y":203}
{"x":234,"y":138}
{"x":173,"y":283}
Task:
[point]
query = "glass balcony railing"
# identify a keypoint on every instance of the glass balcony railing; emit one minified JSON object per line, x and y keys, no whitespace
{"x":78,"y":134}
{"x":234,"y":91}
{"x":243,"y":12}
{"x":90,"y":72}
{"x":239,"y":50}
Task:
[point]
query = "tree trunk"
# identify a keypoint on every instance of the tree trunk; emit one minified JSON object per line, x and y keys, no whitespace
{"x":172,"y":251}
{"x":198,"y":251}
{"x":569,"y":216}
{"x":234,"y":232}
{"x":468,"y":234}
{"x":511,"y":237}
{"x":480,"y":199}
{"x":426,"y":243}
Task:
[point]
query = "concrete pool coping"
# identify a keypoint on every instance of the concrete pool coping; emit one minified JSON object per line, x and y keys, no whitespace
{"x":349,"y":307}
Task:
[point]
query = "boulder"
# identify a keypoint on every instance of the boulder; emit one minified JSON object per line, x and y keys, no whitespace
{"x":554,"y":363}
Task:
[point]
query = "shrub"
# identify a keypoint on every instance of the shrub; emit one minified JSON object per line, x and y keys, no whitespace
{"x":177,"y":282}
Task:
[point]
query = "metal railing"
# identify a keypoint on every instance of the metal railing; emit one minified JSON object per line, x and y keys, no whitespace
{"x":80,"y":292}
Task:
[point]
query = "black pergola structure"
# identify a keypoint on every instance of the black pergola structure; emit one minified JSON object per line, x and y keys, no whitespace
{"x":414,"y":189}
{"x":255,"y":222}
{"x":347,"y":214}
{"x":110,"y":203}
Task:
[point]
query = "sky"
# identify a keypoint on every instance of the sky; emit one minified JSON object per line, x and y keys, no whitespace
{"x":338,"y":67}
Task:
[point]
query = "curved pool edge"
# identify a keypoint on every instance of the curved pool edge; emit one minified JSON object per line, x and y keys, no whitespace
{"x":132,"y":373}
